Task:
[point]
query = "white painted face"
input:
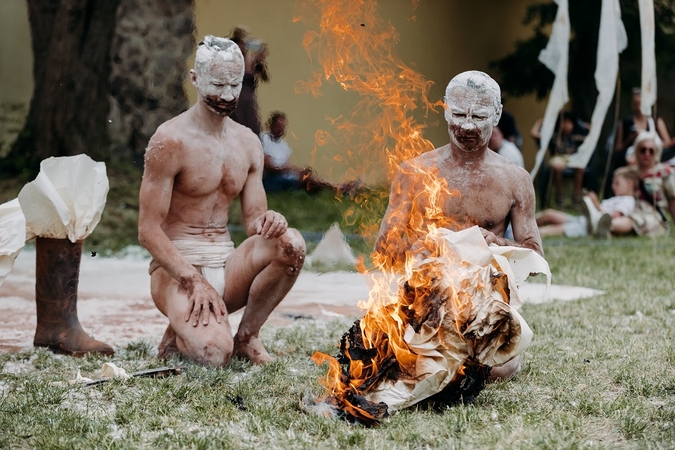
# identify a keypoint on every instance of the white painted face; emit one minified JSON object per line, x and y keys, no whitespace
{"x":471,"y":115}
{"x":219,"y":82}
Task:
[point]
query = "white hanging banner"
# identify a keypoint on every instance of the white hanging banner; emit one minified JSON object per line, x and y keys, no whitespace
{"x":648,"y":56}
{"x":555,"y":56}
{"x":612,"y":40}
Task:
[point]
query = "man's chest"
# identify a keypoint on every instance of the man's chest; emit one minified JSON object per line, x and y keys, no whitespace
{"x":470,"y":199}
{"x":211,"y":170}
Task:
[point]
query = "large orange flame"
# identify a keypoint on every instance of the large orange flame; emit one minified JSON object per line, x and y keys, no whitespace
{"x":351,"y":45}
{"x":354,"y":47}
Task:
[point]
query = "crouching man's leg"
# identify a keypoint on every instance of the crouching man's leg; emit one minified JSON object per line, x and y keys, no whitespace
{"x":258,"y":275}
{"x":210,"y":345}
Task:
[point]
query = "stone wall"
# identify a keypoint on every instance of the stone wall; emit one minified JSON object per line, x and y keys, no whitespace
{"x":153,"y":40}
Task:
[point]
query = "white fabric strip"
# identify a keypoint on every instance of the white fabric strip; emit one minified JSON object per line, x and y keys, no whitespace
{"x":210,"y":257}
{"x":648,"y":57}
{"x":555,"y":56}
{"x":611,"y":41}
{"x":205,"y":254}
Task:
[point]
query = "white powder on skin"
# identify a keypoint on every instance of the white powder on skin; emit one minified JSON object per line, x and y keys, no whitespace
{"x":218,"y":74}
{"x":473,"y":108}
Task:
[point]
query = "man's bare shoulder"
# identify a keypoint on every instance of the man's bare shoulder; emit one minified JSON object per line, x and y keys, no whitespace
{"x":498,"y":162}
{"x":426,"y":159}
{"x":170,"y":135}
{"x":244,"y":135}
{"x":505,"y":170}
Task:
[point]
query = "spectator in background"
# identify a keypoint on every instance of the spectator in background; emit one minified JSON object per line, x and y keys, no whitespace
{"x":598,"y":216}
{"x":656,"y":191}
{"x":568,"y":135}
{"x":255,"y":70}
{"x":279,"y":174}
{"x":507,"y":124}
{"x":629,"y":128}
{"x":505,"y":148}
{"x":632,"y":125}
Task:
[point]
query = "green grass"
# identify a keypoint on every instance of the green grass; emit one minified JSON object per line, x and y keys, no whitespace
{"x":599,"y":374}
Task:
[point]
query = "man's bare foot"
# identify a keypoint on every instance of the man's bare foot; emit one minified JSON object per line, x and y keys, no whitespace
{"x":167,"y":348}
{"x":506,"y":371}
{"x":252,"y":350}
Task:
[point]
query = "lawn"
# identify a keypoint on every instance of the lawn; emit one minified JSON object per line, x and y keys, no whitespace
{"x":599,"y":374}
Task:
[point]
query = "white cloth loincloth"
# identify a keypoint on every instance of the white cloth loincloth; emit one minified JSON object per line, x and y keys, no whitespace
{"x":208,"y":257}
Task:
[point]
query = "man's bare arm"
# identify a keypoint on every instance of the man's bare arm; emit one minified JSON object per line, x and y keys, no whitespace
{"x":525,"y":230}
{"x":257,"y":219}
{"x":162,"y":165}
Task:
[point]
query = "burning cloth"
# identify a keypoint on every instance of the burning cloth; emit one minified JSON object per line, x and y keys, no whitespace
{"x":434,"y":332}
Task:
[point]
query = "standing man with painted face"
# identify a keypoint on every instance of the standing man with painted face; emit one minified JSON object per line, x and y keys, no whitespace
{"x":481,"y":187}
{"x":195,"y":165}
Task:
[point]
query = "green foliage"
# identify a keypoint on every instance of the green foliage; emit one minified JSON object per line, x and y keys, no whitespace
{"x":520,"y":73}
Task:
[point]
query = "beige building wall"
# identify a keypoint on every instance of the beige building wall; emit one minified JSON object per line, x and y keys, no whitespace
{"x":16,"y":54}
{"x":446,"y":37}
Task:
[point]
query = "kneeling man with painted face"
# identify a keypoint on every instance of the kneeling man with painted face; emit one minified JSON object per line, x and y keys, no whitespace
{"x":195,"y":165}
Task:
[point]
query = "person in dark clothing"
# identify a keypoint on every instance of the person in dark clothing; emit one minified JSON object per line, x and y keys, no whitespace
{"x":568,"y":136}
{"x":255,"y":53}
{"x":507,"y":125}
{"x":628,"y":129}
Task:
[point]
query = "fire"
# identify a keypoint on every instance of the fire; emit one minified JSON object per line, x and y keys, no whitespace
{"x":421,"y":286}
{"x":351,"y":45}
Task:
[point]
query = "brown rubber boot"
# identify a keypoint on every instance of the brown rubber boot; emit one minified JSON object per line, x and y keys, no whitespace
{"x":57,"y":272}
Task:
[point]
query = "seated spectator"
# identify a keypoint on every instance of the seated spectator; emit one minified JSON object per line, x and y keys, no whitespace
{"x":568,"y":135}
{"x":505,"y":148}
{"x":599,"y":216}
{"x":656,"y":193}
{"x":279,"y":174}
{"x":630,"y":127}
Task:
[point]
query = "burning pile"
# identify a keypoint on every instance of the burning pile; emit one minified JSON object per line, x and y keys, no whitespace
{"x":434,"y":333}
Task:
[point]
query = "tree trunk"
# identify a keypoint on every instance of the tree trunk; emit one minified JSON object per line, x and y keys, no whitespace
{"x":71,"y":70}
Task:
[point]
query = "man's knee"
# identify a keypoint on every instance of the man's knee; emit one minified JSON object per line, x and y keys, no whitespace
{"x":291,"y":251}
{"x":209,"y":349}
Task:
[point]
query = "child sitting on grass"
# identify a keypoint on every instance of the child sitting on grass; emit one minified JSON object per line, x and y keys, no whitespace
{"x":597,"y":218}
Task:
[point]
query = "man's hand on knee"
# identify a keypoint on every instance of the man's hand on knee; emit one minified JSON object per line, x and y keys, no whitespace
{"x":271,"y":225}
{"x":202,"y":299}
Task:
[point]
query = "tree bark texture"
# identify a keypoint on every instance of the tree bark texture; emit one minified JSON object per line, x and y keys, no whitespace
{"x":153,"y":41}
{"x":71,"y":41}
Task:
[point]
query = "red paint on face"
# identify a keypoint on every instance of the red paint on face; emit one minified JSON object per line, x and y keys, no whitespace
{"x":471,"y":116}
{"x":219,"y":85}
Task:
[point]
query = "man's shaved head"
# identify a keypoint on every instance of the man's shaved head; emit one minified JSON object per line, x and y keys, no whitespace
{"x":477,"y":81}
{"x":216,"y":47}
